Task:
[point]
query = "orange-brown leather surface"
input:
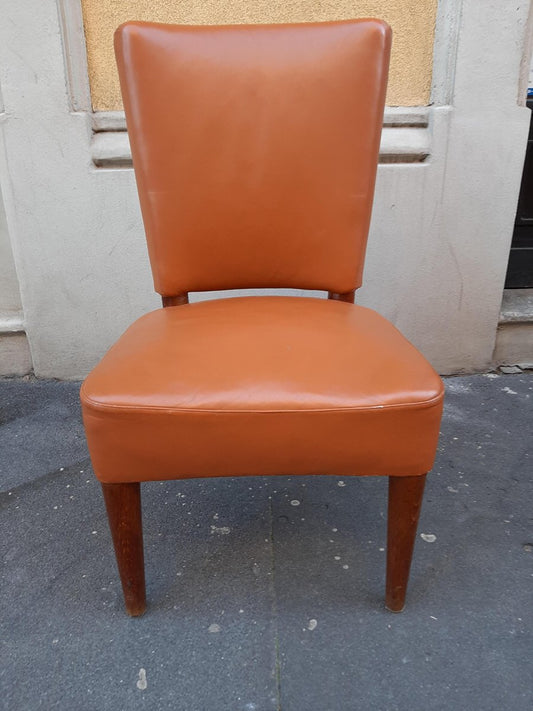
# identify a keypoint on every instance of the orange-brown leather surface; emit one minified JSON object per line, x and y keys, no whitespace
{"x":255,"y":149}
{"x":261,"y":385}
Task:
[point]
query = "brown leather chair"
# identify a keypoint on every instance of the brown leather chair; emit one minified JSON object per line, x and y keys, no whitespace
{"x":255,"y":151}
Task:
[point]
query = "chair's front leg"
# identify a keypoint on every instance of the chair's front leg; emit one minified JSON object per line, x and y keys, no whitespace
{"x":123,"y":504}
{"x":405,"y":500}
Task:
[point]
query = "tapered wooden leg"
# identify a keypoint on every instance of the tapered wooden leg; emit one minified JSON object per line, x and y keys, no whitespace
{"x":123,"y":504}
{"x":405,"y":500}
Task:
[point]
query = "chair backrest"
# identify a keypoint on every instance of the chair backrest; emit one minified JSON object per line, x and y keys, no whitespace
{"x":255,"y":149}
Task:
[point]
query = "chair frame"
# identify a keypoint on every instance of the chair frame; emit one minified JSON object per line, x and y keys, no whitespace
{"x":123,"y":504}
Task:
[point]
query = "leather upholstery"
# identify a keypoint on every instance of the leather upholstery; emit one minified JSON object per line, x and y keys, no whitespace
{"x":255,"y":150}
{"x":261,"y":385}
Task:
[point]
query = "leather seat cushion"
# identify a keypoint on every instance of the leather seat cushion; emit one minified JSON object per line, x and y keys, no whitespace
{"x":261,"y":385}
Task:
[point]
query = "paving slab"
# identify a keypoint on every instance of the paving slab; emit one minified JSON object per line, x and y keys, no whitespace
{"x":267,"y":593}
{"x":67,"y":643}
{"x":466,"y":633}
{"x":40,"y":429}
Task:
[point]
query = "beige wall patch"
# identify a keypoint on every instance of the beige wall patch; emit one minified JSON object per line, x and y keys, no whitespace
{"x":412,"y":22}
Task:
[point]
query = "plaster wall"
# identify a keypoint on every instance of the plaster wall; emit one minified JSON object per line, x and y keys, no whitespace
{"x":9,"y":288}
{"x":412,"y":22}
{"x":15,"y":356}
{"x":440,"y":232}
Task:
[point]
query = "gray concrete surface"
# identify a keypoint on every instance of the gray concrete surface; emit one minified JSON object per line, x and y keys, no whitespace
{"x":267,"y":594}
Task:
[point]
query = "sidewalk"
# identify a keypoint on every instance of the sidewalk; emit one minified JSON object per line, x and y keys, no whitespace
{"x":267,"y":593}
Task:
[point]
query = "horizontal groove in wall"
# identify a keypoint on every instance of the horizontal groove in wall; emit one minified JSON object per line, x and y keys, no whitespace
{"x":111,"y":149}
{"x":404,"y":144}
{"x":394,"y":116}
{"x":12,"y":323}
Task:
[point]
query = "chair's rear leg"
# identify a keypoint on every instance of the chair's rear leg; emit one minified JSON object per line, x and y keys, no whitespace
{"x":405,"y":500}
{"x":123,"y":504}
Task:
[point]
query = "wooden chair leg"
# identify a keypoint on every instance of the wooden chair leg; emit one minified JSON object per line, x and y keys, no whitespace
{"x":405,"y":501}
{"x":123,"y":504}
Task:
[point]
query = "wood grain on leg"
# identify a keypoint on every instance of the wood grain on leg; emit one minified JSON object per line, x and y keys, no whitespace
{"x":123,"y":504}
{"x":405,"y":501}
